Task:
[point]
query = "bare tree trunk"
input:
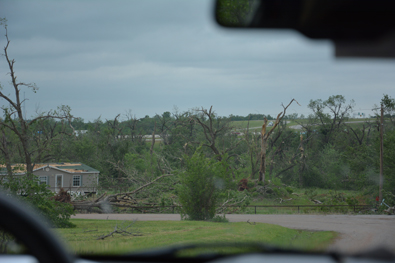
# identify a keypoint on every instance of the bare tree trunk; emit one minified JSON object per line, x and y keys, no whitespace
{"x":301,"y":165}
{"x":381,"y":154}
{"x":262,"y":167}
{"x":265,"y":136}
{"x":252,"y":149}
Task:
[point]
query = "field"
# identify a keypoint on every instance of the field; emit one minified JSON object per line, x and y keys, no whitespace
{"x":83,"y":238}
{"x":258,"y":123}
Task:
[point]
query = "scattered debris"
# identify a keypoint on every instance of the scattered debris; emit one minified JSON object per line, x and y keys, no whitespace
{"x":390,"y":210}
{"x":62,"y":196}
{"x":253,"y":223}
{"x":281,"y":200}
{"x":124,"y":231}
{"x":228,"y":203}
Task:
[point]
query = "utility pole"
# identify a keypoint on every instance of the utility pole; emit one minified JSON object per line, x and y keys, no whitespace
{"x":381,"y":153}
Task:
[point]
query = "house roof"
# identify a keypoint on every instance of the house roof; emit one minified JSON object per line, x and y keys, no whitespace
{"x":20,"y":168}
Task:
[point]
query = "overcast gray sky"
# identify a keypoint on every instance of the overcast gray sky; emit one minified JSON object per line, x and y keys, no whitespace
{"x":107,"y":57}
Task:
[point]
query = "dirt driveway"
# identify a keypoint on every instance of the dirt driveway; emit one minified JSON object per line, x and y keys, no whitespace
{"x":357,"y":232}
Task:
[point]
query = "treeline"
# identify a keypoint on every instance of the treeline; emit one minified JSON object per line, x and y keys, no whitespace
{"x":250,"y":117}
{"x":327,"y":152}
{"x":146,"y":125}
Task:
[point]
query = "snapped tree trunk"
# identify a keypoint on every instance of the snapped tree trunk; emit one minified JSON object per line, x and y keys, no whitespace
{"x":265,"y":136}
{"x":301,"y":165}
{"x":262,"y":167}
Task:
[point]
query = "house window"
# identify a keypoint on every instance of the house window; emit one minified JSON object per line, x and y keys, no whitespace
{"x":77,"y":180}
{"x":42,"y":180}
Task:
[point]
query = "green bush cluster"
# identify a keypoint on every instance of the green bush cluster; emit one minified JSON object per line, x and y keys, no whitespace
{"x":200,"y":186}
{"x":40,"y":198}
{"x":250,"y":185}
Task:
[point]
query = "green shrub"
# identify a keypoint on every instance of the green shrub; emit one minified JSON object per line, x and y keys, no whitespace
{"x":277,"y":182}
{"x":40,"y":198}
{"x":266,"y":182}
{"x":289,"y":190}
{"x":351,"y":200}
{"x":250,"y":184}
{"x":200,"y":186}
{"x":277,"y":191}
{"x":311,"y":193}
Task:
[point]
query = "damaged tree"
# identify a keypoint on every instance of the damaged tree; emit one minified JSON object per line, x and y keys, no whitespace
{"x":264,"y":138}
{"x":253,"y":150}
{"x":213,"y":127}
{"x":15,"y":121}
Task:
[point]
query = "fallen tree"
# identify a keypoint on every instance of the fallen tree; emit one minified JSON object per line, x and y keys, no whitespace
{"x":105,"y":202}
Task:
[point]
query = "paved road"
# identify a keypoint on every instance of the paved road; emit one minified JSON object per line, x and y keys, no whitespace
{"x":357,"y":232}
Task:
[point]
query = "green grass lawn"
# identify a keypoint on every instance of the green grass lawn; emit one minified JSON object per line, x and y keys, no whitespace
{"x":155,"y":234}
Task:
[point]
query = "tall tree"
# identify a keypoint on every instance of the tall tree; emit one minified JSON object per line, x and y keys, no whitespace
{"x":389,"y":107}
{"x":330,"y":114}
{"x":14,"y":120}
{"x":213,"y":127}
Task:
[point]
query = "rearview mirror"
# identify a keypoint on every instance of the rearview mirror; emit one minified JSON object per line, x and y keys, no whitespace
{"x":318,"y":19}
{"x":359,"y":28}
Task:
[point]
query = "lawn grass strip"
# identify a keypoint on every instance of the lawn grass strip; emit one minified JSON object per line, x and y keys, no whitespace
{"x":156,"y":234}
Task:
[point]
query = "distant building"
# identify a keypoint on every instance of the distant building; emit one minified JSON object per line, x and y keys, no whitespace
{"x":80,"y":132}
{"x":73,"y":177}
{"x":357,"y":115}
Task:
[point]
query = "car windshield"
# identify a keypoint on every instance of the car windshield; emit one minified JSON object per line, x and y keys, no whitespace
{"x":134,"y":125}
